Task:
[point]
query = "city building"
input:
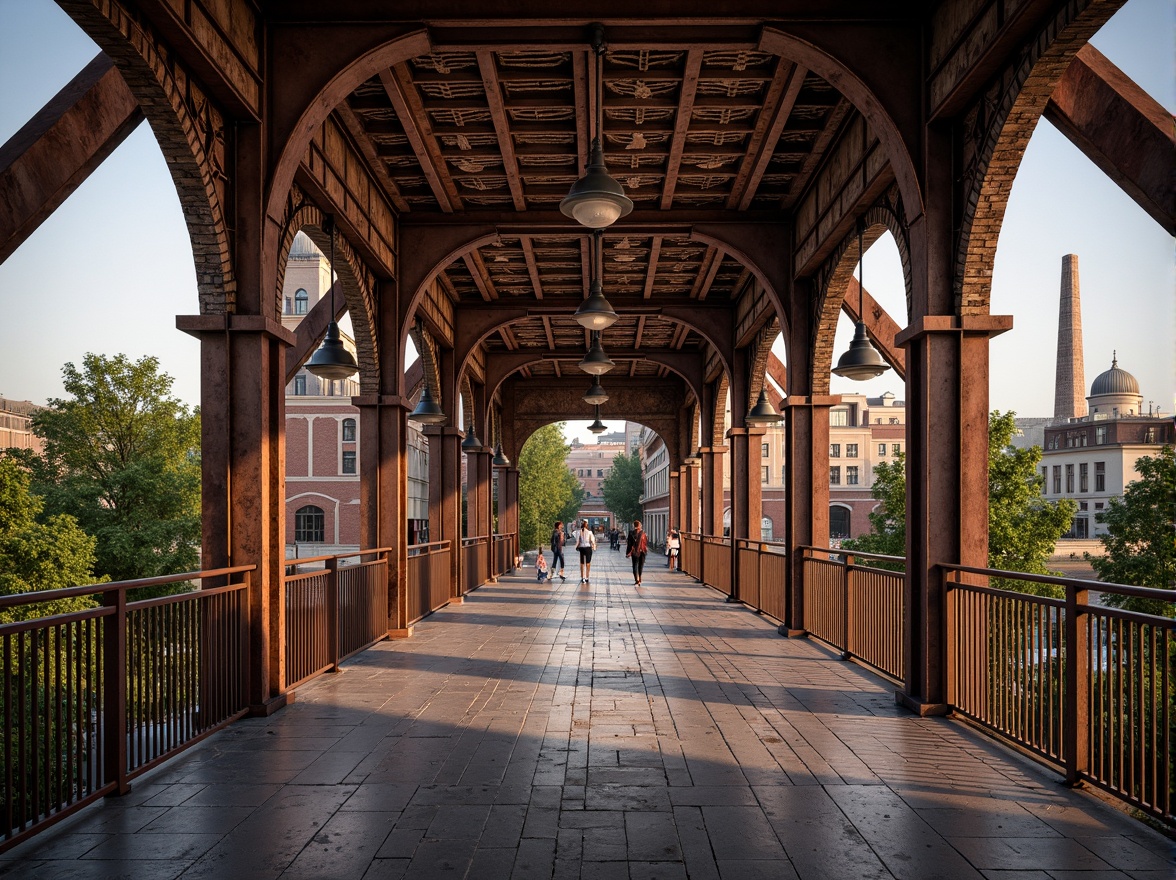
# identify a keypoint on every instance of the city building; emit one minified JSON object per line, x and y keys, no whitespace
{"x":16,"y":431}
{"x":592,"y":463}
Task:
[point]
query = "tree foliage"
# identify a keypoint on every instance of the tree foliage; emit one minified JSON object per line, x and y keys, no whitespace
{"x":1140,"y":542}
{"x":548,"y":490}
{"x":1023,"y":527}
{"x":37,"y":556}
{"x":123,"y":456}
{"x":623,"y":487}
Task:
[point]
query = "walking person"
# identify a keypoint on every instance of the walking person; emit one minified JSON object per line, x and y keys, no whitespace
{"x":673,"y":546}
{"x":540,"y":567}
{"x":636,"y":548}
{"x":585,"y":544}
{"x":557,"y":544}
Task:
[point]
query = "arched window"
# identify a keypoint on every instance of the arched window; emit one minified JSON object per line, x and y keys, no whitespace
{"x":838,"y":521}
{"x":310,"y":525}
{"x":349,"y":430}
{"x":766,"y":528}
{"x":301,"y":301}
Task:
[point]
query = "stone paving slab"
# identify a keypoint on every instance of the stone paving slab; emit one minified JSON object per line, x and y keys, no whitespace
{"x":595,"y":732}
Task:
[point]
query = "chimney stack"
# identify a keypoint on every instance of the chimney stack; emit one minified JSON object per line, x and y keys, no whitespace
{"x":1070,"y":382}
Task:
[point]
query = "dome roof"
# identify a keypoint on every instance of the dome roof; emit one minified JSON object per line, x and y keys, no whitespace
{"x":303,"y":248}
{"x":1114,"y":381}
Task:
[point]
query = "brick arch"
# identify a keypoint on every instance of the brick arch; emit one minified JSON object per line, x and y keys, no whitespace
{"x":358,"y":282}
{"x":759,"y":360}
{"x":834,"y":279}
{"x":722,"y":389}
{"x":996,"y":131}
{"x":190,"y":130}
{"x":428,"y":357}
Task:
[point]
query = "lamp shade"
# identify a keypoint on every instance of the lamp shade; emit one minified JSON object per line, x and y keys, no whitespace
{"x":595,"y":394}
{"x":763,"y":413}
{"x":598,"y":427}
{"x":861,"y":361}
{"x":332,"y":360}
{"x":428,"y":411}
{"x":500,"y":459}
{"x":471,"y":443}
{"x":596,"y":362}
{"x":595,"y":313}
{"x":596,"y":200}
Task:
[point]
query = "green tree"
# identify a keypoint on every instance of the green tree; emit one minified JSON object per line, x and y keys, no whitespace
{"x":123,"y":456}
{"x":37,"y":556}
{"x":1022,"y":526}
{"x":1140,"y":542}
{"x":548,"y":490}
{"x":623,"y":488}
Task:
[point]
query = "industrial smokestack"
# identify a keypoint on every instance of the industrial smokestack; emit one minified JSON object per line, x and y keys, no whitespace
{"x":1070,"y":382}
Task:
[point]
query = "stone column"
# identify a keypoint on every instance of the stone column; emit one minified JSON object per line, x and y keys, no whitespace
{"x":383,"y":494}
{"x":806,"y":494}
{"x":243,"y":482}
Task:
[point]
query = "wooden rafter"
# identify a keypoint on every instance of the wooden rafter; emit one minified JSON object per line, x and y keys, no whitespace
{"x":501,"y":127}
{"x":651,"y":273}
{"x":532,"y":267}
{"x":707,"y":273}
{"x":547,"y":332}
{"x":406,"y":102}
{"x":447,"y":285}
{"x":778,"y":104}
{"x":681,"y":124}
{"x":640,"y":331}
{"x":583,"y":106}
{"x":832,"y":126}
{"x":482,"y":280}
{"x":367,"y":149}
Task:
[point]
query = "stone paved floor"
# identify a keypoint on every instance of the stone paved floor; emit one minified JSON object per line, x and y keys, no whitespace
{"x":597,"y":732}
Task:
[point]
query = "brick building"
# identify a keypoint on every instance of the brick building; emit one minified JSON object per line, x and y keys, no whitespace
{"x":592,"y":463}
{"x":16,"y":430}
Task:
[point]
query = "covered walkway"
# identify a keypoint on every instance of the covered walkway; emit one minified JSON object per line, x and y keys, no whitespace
{"x":597,"y":732}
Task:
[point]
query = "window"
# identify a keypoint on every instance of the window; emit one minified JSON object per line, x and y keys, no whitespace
{"x":1044,"y":479}
{"x":765,"y":451}
{"x":349,"y":430}
{"x":600,"y":472}
{"x":881,"y":449}
{"x":349,"y":461}
{"x":851,"y":475}
{"x":835,"y":476}
{"x":309,"y":525}
{"x":300,"y":386}
{"x":838,"y":418}
{"x":1149,"y":436}
{"x":1100,"y":476}
{"x":287,"y":306}
{"x":1083,"y":478}
{"x":1069,"y":479}
{"x":838,"y":522}
{"x":1100,"y":435}
{"x":896,"y":449}
{"x":764,"y":475}
{"x":1057,"y":479}
{"x":301,"y":301}
{"x":835,"y":450}
{"x":851,"y":450}
{"x":1079,"y":528}
{"x":893,"y":420}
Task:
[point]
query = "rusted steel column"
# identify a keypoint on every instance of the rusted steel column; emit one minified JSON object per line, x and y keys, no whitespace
{"x":675,"y":500}
{"x":383,"y":493}
{"x":947,"y":483}
{"x":690,"y":500}
{"x":243,"y":486}
{"x":445,"y":496}
{"x":712,"y":490}
{"x":806,"y":493}
{"x":508,"y":506}
{"x":746,"y":494}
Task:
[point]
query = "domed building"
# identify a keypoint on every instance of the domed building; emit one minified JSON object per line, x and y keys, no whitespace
{"x":1092,"y":457}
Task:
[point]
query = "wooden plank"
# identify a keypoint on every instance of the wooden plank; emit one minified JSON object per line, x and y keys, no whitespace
{"x":532,"y":267}
{"x":501,"y":127}
{"x":681,"y":124}
{"x":778,"y":104}
{"x":406,"y":102}
{"x":651,"y":274}
{"x":482,"y":281}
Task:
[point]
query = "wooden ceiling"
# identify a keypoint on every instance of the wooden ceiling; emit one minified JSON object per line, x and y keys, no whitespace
{"x":687,"y":129}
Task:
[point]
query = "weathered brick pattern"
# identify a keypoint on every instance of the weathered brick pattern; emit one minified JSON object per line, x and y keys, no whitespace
{"x":190,"y":130}
{"x":994,"y":133}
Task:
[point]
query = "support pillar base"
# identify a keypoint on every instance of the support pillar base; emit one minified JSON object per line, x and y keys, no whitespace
{"x":731,"y":600}
{"x":272,"y":705}
{"x":923,"y":710}
{"x":783,"y":630}
{"x":403,"y":633}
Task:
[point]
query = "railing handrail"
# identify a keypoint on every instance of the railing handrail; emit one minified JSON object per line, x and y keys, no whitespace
{"x":36,"y":597}
{"x":1076,"y":583}
{"x":476,"y":539}
{"x":858,"y":553}
{"x":288,"y":563}
{"x":425,"y":546}
{"x":748,"y":542}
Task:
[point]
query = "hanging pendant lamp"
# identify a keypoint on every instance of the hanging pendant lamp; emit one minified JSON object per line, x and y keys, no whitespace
{"x":500,"y":459}
{"x":861,"y":361}
{"x":595,"y":394}
{"x":598,"y":427}
{"x":763,"y":413}
{"x":471,"y":443}
{"x":597,"y":200}
{"x":332,"y":360}
{"x":595,"y":313}
{"x":596,"y":362}
{"x":428,"y":411}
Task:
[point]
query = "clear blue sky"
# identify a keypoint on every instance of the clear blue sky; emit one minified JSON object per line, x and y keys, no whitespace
{"x":110,"y":270}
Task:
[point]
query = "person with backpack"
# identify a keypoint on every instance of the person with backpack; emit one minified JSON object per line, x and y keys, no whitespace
{"x":636,"y":548}
{"x":585,"y":543}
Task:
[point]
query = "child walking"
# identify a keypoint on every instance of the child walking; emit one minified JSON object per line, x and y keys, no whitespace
{"x":540,"y":567}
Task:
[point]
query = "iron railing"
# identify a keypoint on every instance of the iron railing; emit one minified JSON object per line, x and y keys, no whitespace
{"x":92,"y":698}
{"x":475,"y":559}
{"x":690,"y":554}
{"x":333,"y":610}
{"x":504,"y":554}
{"x":1083,"y":686}
{"x":430,"y":578}
{"x":762,"y":573}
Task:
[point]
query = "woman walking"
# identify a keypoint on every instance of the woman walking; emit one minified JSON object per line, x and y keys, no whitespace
{"x":636,"y":548}
{"x":585,"y":543}
{"x":673,"y":546}
{"x":557,"y":542}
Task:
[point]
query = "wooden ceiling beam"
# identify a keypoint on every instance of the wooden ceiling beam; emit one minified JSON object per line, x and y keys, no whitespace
{"x":532,"y":266}
{"x":804,"y":176}
{"x":368,"y":150}
{"x":651,"y":273}
{"x":473,"y":262}
{"x":640,"y":332}
{"x":703,"y":285}
{"x":778,"y":104}
{"x":406,"y":102}
{"x":447,"y":285}
{"x":584,"y":103}
{"x":501,"y":127}
{"x":547,"y":331}
{"x":681,"y":124}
